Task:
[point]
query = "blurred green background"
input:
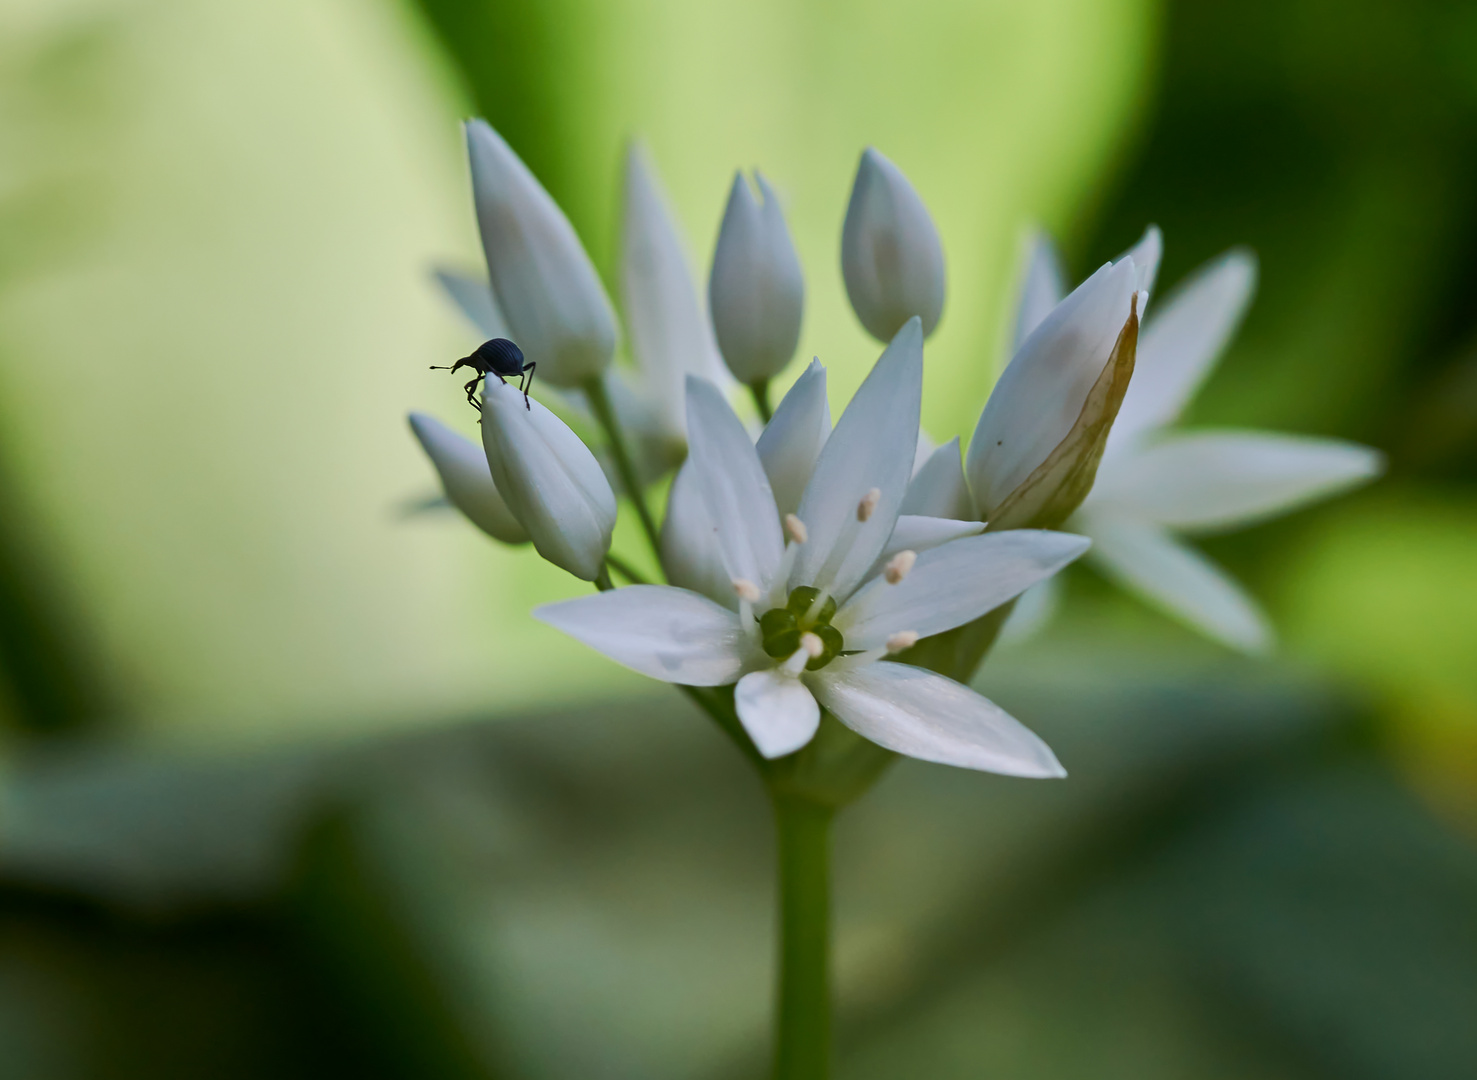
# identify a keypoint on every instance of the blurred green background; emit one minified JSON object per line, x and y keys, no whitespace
{"x":280,"y":795}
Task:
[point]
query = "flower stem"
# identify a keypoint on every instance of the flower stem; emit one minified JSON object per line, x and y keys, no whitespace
{"x":624,"y":569}
{"x":802,"y":1048}
{"x":760,"y":389}
{"x":603,"y":582}
{"x":605,"y":416}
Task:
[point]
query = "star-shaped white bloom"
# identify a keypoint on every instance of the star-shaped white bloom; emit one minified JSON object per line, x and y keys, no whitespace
{"x":803,"y":624}
{"x":1154,"y":483}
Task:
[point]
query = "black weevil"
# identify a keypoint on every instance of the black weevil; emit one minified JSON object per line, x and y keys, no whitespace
{"x":499,"y":357}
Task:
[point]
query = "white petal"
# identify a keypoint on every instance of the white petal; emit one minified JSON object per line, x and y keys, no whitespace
{"x":792,"y":440}
{"x":1221,"y":479}
{"x":466,"y":479}
{"x":670,"y":335}
{"x":731,"y":480}
{"x":891,"y":257}
{"x":670,"y":634}
{"x":550,"y":480}
{"x":927,"y":716}
{"x":871,"y":448}
{"x":777,"y":711}
{"x":691,"y":555}
{"x":955,"y":584}
{"x":545,"y":284}
{"x":923,"y":451}
{"x":1146,"y":255}
{"x":1039,"y":397}
{"x":938,"y":489}
{"x":1148,"y":561}
{"x":1181,"y":343}
{"x":1042,"y":286}
{"x":1034,"y":609}
{"x":917,"y":533}
{"x":756,"y":293}
{"x":473,"y":296}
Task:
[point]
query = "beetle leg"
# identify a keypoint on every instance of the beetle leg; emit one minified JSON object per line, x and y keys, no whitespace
{"x":527,"y":382}
{"x":471,"y":388}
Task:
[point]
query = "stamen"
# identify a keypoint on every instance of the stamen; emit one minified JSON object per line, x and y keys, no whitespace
{"x":812,"y":645}
{"x":898,"y":566}
{"x":868,"y":504}
{"x":748,"y":595}
{"x":795,"y":529}
{"x":798,"y":659}
{"x":781,"y":582}
{"x":903,"y":639}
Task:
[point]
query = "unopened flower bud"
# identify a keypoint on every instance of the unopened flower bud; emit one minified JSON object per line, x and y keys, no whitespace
{"x":551,"y":481}
{"x":466,"y":479}
{"x":756,"y":293}
{"x":545,"y":284}
{"x":891,"y":257}
{"x":1052,"y":408}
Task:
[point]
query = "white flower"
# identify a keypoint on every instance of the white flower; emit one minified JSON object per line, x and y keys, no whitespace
{"x":546,"y":287}
{"x":550,"y":480}
{"x":891,"y":257}
{"x":756,"y":293}
{"x":466,"y":479}
{"x":1154,"y":482}
{"x":1040,"y":396}
{"x":807,"y":620}
{"x":670,"y":334}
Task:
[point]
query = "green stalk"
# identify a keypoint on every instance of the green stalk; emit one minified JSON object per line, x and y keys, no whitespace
{"x":802,"y":1048}
{"x":760,"y":389}
{"x":605,"y":416}
{"x":624,"y":569}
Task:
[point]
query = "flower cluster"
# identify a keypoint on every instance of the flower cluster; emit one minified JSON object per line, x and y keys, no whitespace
{"x":812,"y":569}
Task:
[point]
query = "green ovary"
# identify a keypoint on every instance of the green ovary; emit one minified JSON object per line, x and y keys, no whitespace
{"x":781,"y":628}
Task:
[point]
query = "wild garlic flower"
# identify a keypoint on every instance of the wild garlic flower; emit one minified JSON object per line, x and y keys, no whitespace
{"x":816,"y":598}
{"x":467,"y":480}
{"x":550,"y":480}
{"x":756,"y":292}
{"x":545,"y":284}
{"x":1155,"y":483}
{"x":891,"y":257}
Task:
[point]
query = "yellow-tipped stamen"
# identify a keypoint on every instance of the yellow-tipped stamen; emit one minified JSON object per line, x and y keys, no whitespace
{"x":898,"y":566}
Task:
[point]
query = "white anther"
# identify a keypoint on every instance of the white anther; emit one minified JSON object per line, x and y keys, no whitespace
{"x":903,"y":639}
{"x":868,"y":504}
{"x":746,"y":590}
{"x":795,"y":529}
{"x":898,"y":566}
{"x":812,"y":644}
